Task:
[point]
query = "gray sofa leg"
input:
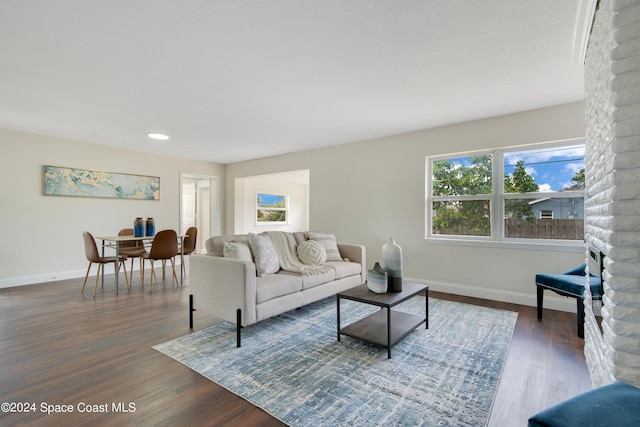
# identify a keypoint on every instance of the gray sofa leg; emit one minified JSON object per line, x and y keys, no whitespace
{"x":238,"y":326}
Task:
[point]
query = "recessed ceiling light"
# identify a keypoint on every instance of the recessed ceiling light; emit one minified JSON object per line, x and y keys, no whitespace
{"x":158,"y":136}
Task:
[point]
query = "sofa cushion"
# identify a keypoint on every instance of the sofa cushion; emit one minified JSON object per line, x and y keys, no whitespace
{"x":328,"y":241}
{"x":237,"y":250}
{"x":313,"y":280}
{"x":344,"y":268}
{"x":276,"y":285}
{"x":264,"y":254}
{"x":300,"y":236}
{"x":215,"y":245}
{"x":312,"y":253}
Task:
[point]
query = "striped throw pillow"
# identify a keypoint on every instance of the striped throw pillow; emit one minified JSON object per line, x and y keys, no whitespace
{"x":328,"y":241}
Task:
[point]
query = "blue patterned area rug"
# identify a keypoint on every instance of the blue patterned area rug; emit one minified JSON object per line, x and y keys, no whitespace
{"x":293,"y":367}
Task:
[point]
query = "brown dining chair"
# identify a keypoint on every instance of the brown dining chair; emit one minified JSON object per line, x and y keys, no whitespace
{"x":132,"y":249}
{"x":164,"y":247}
{"x":189,"y":244}
{"x":93,"y":256}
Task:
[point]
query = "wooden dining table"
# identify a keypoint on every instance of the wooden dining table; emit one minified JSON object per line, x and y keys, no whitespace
{"x":114,"y":242}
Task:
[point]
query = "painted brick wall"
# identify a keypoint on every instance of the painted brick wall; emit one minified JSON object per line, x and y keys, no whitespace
{"x":612,"y":188}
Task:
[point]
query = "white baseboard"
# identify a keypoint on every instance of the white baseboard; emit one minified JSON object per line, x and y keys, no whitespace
{"x":9,"y":282}
{"x":551,"y":300}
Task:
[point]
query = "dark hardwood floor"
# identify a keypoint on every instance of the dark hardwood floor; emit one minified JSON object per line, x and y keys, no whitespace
{"x":60,"y":347}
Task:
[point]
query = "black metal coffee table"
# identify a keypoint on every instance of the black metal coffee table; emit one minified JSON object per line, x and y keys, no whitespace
{"x":385,"y":327}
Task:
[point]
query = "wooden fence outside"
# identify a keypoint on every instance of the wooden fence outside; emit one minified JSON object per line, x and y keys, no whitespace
{"x":566,"y":229}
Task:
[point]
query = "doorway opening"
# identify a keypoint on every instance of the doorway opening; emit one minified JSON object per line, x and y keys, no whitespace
{"x":199,"y":206}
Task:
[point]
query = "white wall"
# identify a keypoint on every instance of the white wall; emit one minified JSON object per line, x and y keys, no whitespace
{"x":42,"y":235}
{"x":246,"y":190}
{"x":366,"y":191}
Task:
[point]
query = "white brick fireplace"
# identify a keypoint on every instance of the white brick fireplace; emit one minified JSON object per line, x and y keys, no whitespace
{"x":612,"y":190}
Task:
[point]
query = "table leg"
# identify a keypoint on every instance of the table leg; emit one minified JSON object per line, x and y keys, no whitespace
{"x":117,"y":264}
{"x":181,"y":259}
{"x":102,"y":268}
{"x":338,"y":311}
{"x":388,"y":332}
{"x":426,"y":309}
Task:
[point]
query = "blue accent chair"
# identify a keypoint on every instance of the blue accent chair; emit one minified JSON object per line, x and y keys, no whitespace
{"x":615,"y":405}
{"x":569,"y":284}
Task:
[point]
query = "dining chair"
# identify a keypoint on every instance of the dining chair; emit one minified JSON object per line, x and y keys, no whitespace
{"x":93,"y":256}
{"x":189,"y":244}
{"x":132,"y":249}
{"x":164,"y":247}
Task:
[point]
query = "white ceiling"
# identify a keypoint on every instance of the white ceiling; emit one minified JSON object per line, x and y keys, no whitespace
{"x":231,"y":80}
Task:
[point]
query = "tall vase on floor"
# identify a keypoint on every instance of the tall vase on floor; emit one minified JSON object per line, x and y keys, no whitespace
{"x":392,"y":263}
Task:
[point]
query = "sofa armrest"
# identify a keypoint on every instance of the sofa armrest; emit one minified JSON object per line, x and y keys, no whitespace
{"x":355,"y":253}
{"x":220,"y":286}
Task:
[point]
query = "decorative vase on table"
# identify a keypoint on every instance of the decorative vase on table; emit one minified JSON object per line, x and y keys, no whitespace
{"x":151,"y":227}
{"x":377,"y":279}
{"x":138,"y":227}
{"x":392,"y":263}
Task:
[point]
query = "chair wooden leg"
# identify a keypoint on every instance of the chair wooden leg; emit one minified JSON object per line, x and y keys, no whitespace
{"x":131,"y":273}
{"x":95,"y":287}
{"x":85,"y":278}
{"x":164,"y":266}
{"x":173,"y":267}
{"x":142,"y":272}
{"x":151,"y":277}
{"x":126,"y":279}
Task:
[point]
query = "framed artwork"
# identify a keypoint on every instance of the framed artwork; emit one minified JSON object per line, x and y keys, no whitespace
{"x":271,"y":208}
{"x":64,"y":181}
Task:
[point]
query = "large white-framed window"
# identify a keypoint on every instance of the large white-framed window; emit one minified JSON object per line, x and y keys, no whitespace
{"x":272,"y":209}
{"x":525,"y":194}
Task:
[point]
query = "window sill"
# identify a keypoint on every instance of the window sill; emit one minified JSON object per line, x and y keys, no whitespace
{"x":558,"y":246}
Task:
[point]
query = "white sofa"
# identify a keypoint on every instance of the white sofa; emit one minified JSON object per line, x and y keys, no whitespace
{"x":230,"y":289}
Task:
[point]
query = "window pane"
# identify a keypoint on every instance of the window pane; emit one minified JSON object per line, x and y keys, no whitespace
{"x":462,"y":176}
{"x":271,"y":208}
{"x":544,"y":170}
{"x":462,"y":218}
{"x":547,"y":218}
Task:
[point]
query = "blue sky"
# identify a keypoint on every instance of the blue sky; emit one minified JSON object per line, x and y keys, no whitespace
{"x":552,"y":168}
{"x":270,"y":199}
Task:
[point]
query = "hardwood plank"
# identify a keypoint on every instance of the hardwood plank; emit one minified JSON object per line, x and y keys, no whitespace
{"x":63,"y":347}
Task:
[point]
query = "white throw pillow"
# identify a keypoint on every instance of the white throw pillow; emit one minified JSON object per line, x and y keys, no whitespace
{"x":237,"y":250}
{"x":264,"y":253}
{"x":312,"y":253}
{"x":328,"y":241}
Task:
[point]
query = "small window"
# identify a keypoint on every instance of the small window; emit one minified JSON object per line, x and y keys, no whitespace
{"x":271,"y":208}
{"x":546,"y":214}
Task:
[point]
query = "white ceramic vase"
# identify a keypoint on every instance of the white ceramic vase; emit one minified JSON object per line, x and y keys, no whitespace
{"x":392,"y":263}
{"x":377,"y":279}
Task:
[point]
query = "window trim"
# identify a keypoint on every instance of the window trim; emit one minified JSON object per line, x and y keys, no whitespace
{"x":496,"y":200}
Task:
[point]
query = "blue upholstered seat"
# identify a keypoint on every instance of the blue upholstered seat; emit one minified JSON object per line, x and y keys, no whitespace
{"x":615,"y":404}
{"x":569,"y":284}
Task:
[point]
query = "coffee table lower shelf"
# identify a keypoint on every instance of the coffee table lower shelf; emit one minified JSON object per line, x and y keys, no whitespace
{"x":373,"y":328}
